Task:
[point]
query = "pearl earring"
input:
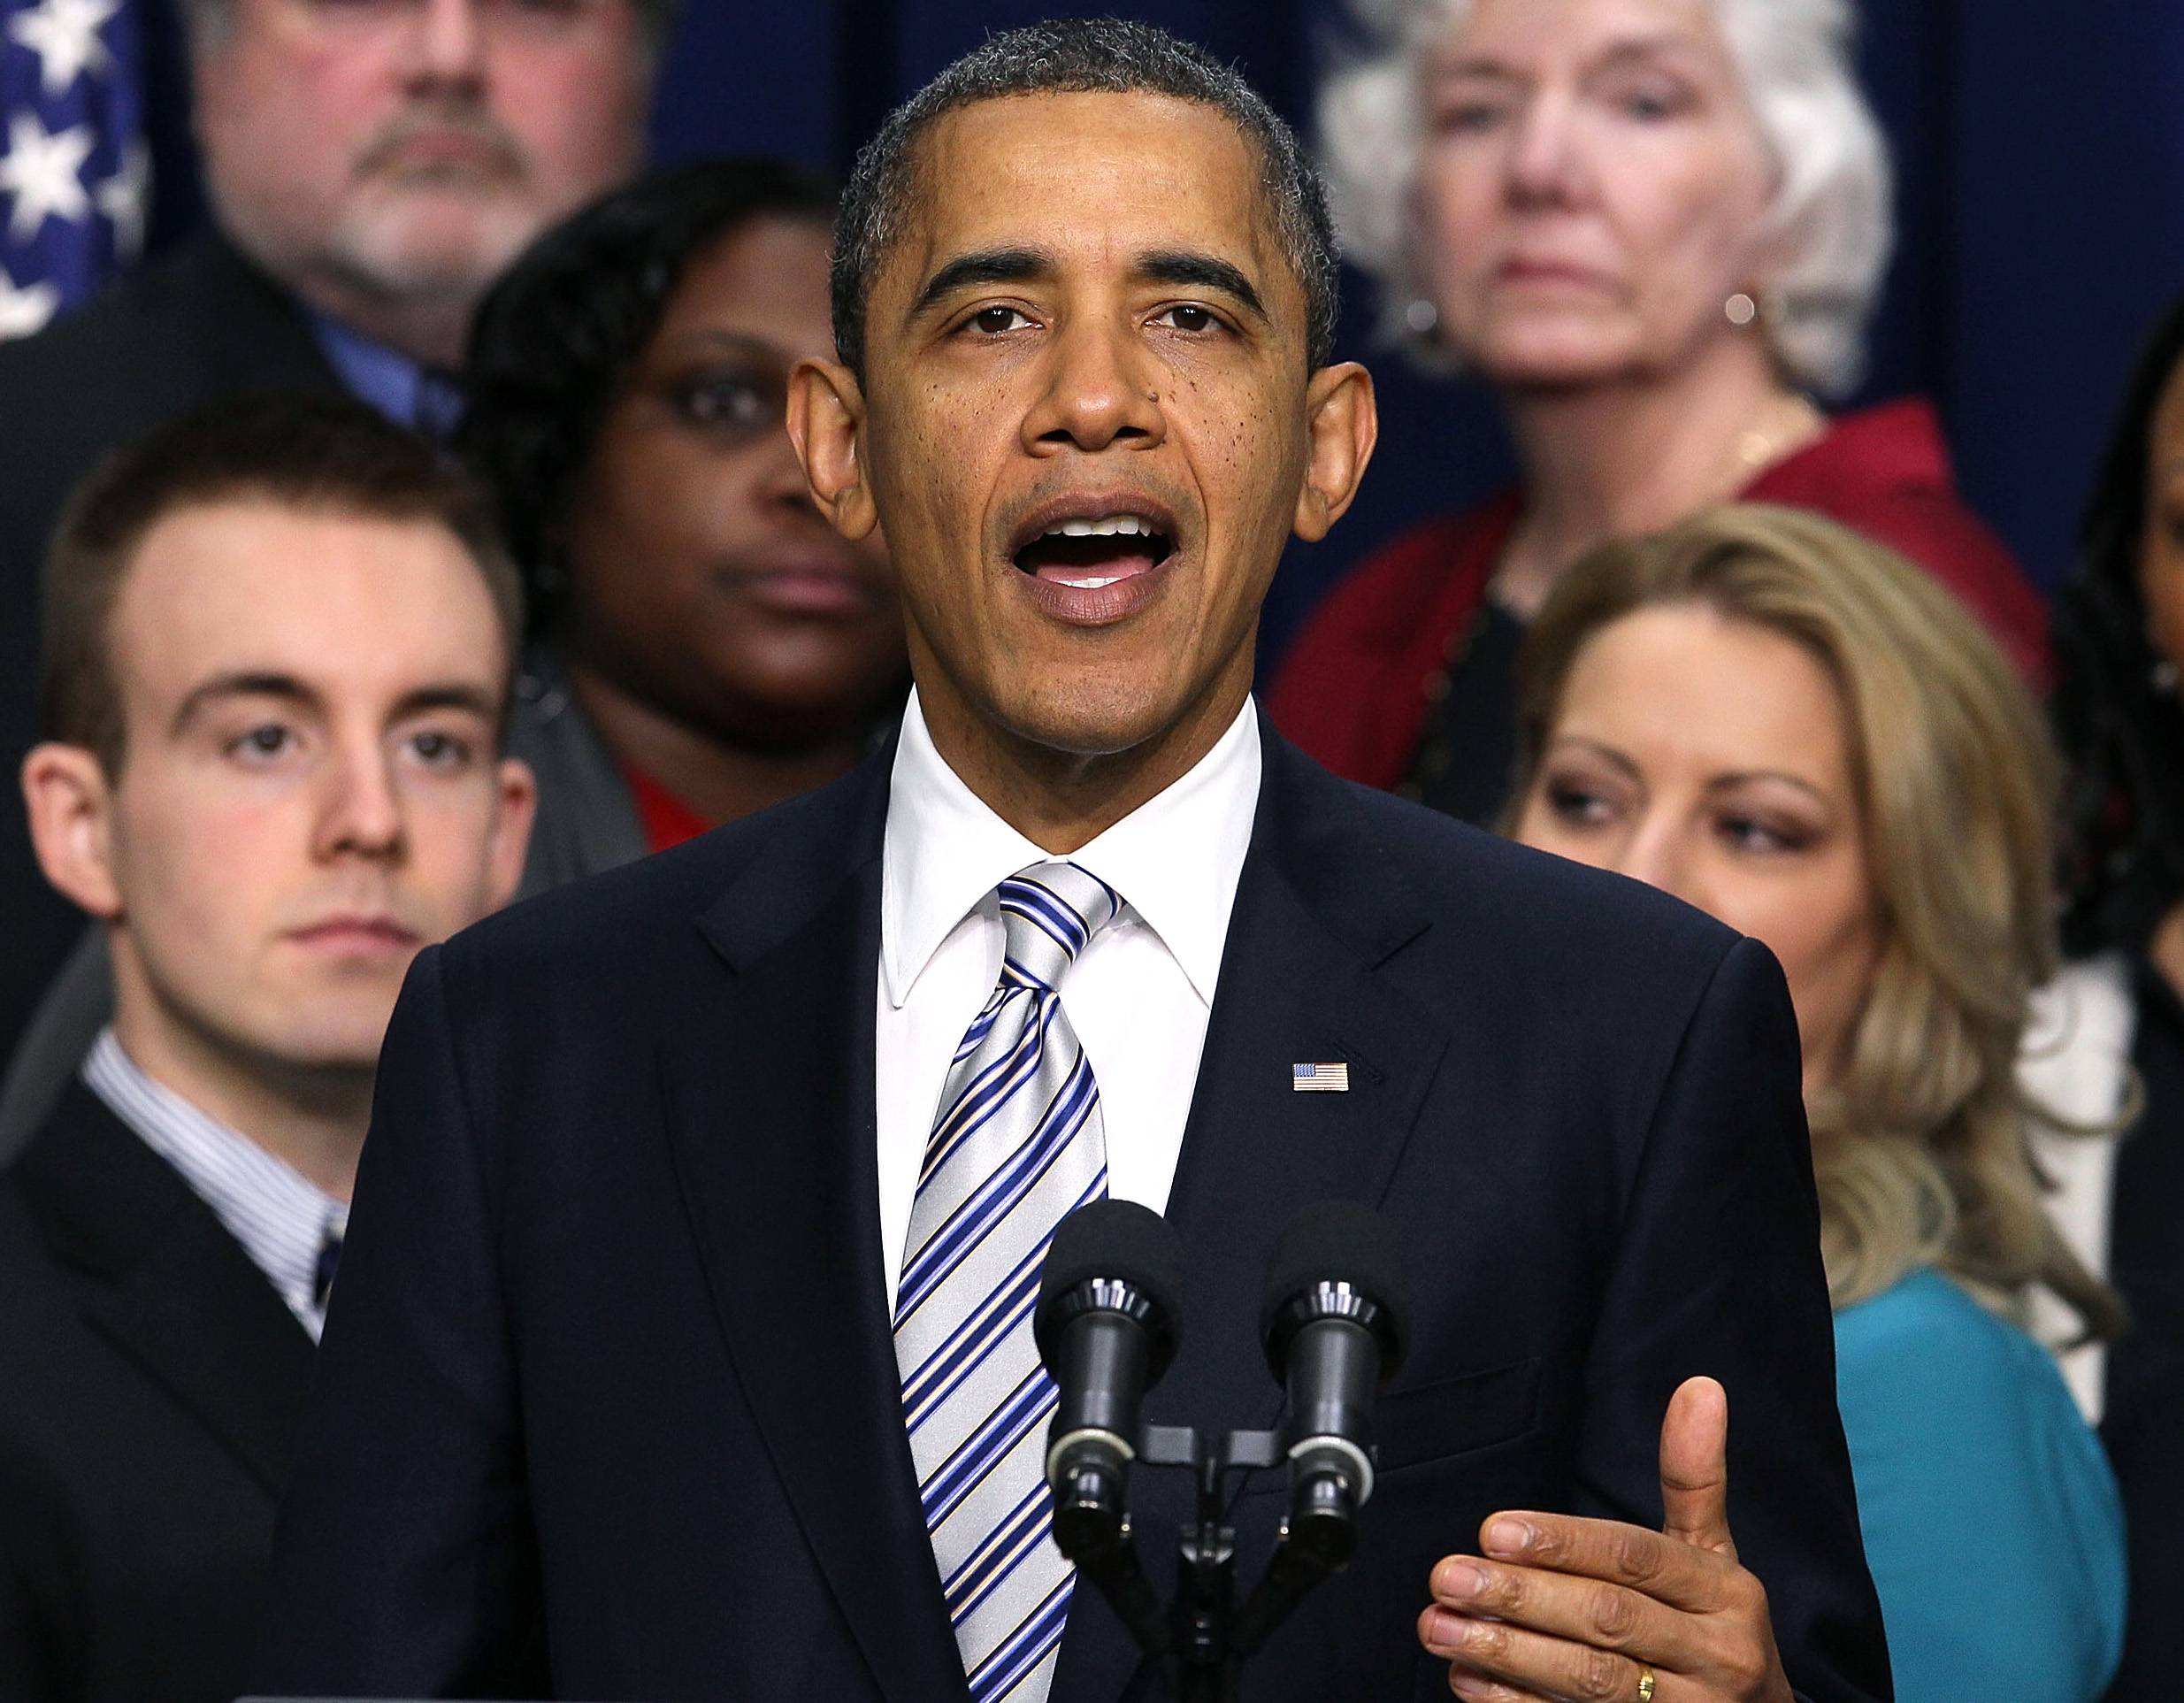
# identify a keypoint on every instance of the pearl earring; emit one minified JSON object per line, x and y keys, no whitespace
{"x":1741,"y":310}
{"x":2161,"y":677}
{"x":1421,"y":316}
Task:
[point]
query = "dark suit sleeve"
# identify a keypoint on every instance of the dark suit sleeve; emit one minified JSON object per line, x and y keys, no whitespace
{"x":405,"y":1563}
{"x":1718,"y":1272}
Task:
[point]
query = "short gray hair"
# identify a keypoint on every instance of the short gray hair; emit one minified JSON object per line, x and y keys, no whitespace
{"x":1831,"y":212}
{"x":1076,"y":56}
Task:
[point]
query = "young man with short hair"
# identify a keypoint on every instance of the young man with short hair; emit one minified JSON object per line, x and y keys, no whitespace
{"x":370,"y":168}
{"x":279,"y":648}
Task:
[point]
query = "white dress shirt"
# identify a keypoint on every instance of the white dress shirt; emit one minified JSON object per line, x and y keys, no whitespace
{"x":1138,"y":996}
{"x":280,"y":1217}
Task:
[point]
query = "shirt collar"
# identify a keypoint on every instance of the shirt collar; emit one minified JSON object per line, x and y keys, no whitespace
{"x":406,"y":392}
{"x":1175,"y":859}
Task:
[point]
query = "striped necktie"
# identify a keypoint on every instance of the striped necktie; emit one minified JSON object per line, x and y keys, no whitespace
{"x":1017,"y":1145}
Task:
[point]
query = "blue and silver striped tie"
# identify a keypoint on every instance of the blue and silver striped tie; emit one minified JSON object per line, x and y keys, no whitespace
{"x":1017,"y":1145}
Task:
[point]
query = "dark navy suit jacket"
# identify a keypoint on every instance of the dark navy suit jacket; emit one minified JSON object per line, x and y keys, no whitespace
{"x":608,"y":1406}
{"x":151,"y":1382}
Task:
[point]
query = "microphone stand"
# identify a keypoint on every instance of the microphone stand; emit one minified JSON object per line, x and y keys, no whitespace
{"x":1200,"y":1642}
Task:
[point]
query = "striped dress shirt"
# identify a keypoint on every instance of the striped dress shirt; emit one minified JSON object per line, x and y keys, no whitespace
{"x":281,"y":1219}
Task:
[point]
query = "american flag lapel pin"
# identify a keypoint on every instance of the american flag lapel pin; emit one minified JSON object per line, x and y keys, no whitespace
{"x":1320,"y":1079}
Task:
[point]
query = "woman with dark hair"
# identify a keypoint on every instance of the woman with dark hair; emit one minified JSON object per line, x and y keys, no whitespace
{"x":704,"y":643}
{"x":2115,"y":1026}
{"x":2118,"y":630}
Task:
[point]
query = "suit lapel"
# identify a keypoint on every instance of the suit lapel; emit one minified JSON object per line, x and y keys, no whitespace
{"x":1317,"y":912}
{"x":770,"y":1108}
{"x":168,"y":1286}
{"x":770,"y":1099}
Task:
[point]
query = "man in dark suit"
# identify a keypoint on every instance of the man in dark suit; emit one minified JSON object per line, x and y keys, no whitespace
{"x":278,"y":664}
{"x":683,"y":1350}
{"x":371,"y":171}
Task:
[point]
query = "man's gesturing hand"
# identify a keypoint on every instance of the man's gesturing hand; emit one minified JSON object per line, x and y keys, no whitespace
{"x":1559,"y":1607}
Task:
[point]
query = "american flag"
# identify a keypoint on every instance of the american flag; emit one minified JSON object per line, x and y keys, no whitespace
{"x":75,"y":174}
{"x":1320,"y":1079}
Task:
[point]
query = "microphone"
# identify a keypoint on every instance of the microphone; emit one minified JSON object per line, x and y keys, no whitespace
{"x":1334,"y":1324}
{"x":1105,"y":1330}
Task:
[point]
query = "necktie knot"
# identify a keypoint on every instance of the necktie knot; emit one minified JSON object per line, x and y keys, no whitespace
{"x":1049,"y":913}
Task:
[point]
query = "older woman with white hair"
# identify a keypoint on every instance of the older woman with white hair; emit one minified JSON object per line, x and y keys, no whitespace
{"x":1657,"y":229}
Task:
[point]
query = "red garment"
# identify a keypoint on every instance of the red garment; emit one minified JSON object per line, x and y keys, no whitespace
{"x":667,"y":820}
{"x":1354,"y":689}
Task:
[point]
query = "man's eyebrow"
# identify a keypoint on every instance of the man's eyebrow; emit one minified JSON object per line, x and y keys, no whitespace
{"x":242,"y":683}
{"x":1204,"y":271}
{"x":453,"y":694}
{"x":987,"y":266}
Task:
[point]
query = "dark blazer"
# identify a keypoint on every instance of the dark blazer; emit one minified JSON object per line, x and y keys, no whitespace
{"x":586,"y":821}
{"x":187,"y":330}
{"x":608,"y":1407}
{"x":151,"y":1386}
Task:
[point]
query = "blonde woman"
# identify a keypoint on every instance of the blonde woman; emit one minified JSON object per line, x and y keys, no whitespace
{"x":1797,"y":730}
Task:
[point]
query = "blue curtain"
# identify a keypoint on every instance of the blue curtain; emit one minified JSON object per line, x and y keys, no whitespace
{"x":2040,"y":155}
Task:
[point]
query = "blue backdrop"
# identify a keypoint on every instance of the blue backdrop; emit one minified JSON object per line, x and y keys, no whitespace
{"x":2041,"y":160}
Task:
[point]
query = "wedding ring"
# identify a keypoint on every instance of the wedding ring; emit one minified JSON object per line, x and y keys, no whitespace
{"x":1645,"y":1686}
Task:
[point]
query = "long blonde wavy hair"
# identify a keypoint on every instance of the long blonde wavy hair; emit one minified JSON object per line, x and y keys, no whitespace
{"x":1921,"y":1140}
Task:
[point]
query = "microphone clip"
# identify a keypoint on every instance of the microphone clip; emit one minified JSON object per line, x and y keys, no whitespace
{"x":1332,"y":1330}
{"x":1201,"y":1641}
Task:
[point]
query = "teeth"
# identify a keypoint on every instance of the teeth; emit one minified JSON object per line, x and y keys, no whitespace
{"x":1091,"y":583}
{"x":1111,"y":525}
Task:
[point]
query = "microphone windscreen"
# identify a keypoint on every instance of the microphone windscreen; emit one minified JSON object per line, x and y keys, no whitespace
{"x":1115,"y":1238}
{"x":1339,"y":1241}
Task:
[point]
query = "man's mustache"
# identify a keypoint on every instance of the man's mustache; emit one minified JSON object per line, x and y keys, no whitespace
{"x":505,"y":157}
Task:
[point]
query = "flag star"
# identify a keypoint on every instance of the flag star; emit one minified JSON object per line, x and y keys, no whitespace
{"x":26,"y":310}
{"x":42,"y":170}
{"x":125,"y":198}
{"x":64,"y":34}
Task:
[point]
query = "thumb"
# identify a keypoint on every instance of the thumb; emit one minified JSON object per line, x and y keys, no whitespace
{"x":1695,"y":1467}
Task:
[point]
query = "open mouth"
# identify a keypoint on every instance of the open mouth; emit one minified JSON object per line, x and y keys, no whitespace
{"x":1092,"y":553}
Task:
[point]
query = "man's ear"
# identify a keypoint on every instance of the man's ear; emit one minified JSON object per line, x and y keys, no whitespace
{"x":514,"y":810}
{"x":71,"y":806}
{"x":826,"y":424}
{"x":1344,"y":425}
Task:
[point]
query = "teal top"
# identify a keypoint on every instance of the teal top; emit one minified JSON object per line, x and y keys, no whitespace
{"x":1990,"y":1516}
